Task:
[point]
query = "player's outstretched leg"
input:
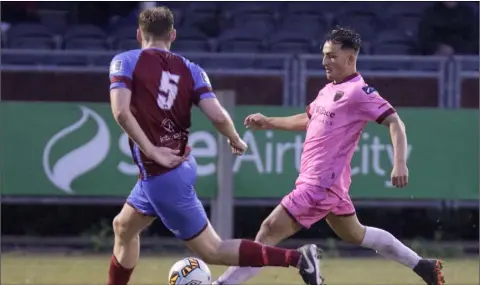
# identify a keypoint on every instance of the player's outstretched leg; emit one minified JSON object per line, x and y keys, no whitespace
{"x":278,"y":226}
{"x":127,"y":226}
{"x":350,"y":230}
{"x":174,"y":200}
{"x":213,"y":250}
{"x":299,"y":209}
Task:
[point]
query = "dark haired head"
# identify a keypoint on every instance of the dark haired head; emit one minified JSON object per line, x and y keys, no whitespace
{"x":347,"y":38}
{"x":340,"y":52}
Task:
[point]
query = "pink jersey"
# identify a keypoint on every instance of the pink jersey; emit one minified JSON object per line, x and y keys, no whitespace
{"x":337,"y":118}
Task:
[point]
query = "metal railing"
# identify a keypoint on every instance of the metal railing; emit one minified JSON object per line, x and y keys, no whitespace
{"x":294,"y":70}
{"x":380,"y":66}
{"x":213,"y":63}
{"x":465,"y":67}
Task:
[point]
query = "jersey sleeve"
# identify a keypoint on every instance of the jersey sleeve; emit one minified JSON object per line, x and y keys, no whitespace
{"x":202,"y":87}
{"x":371,"y":106}
{"x":121,"y":71}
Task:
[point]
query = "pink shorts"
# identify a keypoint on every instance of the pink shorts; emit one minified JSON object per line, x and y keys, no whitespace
{"x":308,"y":204}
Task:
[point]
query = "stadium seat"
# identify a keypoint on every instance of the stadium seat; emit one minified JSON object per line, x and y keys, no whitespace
{"x":393,"y":35}
{"x":424,"y":66}
{"x":469,"y":65}
{"x":55,"y":20}
{"x":189,"y":38}
{"x":359,"y":8}
{"x":259,"y":24}
{"x":305,"y":8}
{"x":86,"y":44}
{"x":101,"y":60}
{"x":125,"y":32}
{"x":29,"y":59}
{"x":290,"y":42}
{"x":191,"y":45}
{"x":407,"y":25}
{"x":125,"y":37}
{"x":197,"y":12}
{"x":251,"y":8}
{"x":266,"y":9}
{"x":364,"y":25}
{"x":71,"y":60}
{"x":413,"y":9}
{"x":85,"y":32}
{"x":32,"y":43}
{"x":391,"y":48}
{"x":126,"y":44}
{"x":240,"y":40}
{"x":203,"y":7}
{"x":26,"y":36}
{"x":28,"y":30}
{"x":307,"y":26}
{"x":190,"y":32}
{"x":81,"y":36}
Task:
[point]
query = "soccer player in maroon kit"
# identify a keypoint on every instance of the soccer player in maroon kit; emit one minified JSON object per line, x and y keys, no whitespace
{"x":152,"y":91}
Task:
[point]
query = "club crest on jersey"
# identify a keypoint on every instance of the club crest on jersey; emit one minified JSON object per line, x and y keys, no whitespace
{"x":115,"y":66}
{"x":338,"y":95}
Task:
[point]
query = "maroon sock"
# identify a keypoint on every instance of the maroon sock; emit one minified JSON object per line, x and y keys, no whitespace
{"x":117,"y":274}
{"x":255,"y":254}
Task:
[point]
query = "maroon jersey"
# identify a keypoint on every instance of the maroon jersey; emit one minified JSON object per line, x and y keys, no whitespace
{"x":164,"y":86}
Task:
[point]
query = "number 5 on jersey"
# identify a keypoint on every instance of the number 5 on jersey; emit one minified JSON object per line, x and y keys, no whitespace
{"x":168,"y":90}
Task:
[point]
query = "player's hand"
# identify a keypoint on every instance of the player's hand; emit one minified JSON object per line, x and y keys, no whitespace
{"x":238,"y":146}
{"x":166,"y":157}
{"x":257,"y":122}
{"x":399,"y":176}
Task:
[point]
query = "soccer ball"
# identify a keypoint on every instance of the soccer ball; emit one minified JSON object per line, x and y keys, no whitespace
{"x":189,"y":271}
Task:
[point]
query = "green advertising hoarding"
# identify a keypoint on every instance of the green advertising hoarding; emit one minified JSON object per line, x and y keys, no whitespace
{"x":78,"y":149}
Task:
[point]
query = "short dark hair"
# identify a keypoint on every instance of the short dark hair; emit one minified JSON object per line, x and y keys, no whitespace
{"x":156,"y":22}
{"x":348,"y":38}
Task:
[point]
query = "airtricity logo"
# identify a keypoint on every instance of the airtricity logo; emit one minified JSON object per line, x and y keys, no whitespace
{"x":80,"y":160}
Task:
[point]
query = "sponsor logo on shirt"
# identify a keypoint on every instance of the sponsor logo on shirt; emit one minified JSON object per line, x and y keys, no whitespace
{"x":370,"y":92}
{"x":321,"y":110}
{"x":172,"y":133}
{"x":323,"y":115}
{"x":205,"y":77}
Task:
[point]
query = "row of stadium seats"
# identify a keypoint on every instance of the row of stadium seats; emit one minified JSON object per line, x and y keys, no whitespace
{"x":191,"y":38}
{"x":296,"y":27}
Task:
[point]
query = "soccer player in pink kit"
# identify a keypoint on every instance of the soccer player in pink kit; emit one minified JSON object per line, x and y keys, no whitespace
{"x":334,"y":122}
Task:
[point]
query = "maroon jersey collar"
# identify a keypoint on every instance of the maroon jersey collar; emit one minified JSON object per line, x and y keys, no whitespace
{"x":156,"y":48}
{"x":348,"y":78}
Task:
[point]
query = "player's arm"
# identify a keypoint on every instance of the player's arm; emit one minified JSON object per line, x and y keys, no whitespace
{"x":399,"y":138}
{"x":206,"y":100}
{"x":219,"y":117}
{"x":121,"y":71}
{"x":120,"y":104}
{"x":372,"y":107}
{"x":296,"y":122}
